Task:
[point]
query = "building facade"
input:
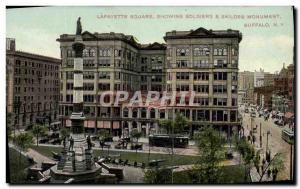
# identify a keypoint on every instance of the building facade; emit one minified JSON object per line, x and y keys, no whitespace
{"x":32,"y":87}
{"x":246,"y":87}
{"x":204,"y":61}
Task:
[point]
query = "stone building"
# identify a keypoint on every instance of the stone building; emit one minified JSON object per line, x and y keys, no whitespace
{"x":32,"y":87}
{"x":204,"y":61}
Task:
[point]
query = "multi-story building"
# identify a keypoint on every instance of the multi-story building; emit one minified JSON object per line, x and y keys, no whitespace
{"x":204,"y":61}
{"x":246,"y":87}
{"x":32,"y":87}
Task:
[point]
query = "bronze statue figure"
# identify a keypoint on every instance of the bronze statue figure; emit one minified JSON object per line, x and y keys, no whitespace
{"x":79,"y":28}
{"x":89,"y":142}
{"x":71,"y":143}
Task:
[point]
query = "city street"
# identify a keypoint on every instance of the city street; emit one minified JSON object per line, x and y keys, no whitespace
{"x":275,"y":142}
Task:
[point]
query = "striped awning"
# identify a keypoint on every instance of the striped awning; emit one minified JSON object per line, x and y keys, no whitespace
{"x":103,"y":124}
{"x":116,"y":125}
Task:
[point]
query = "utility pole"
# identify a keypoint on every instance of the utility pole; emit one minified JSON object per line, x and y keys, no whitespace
{"x":267,"y":146}
{"x":260,"y":137}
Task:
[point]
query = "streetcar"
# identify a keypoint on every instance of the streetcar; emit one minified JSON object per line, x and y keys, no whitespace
{"x":163,"y":140}
{"x":287,"y":135}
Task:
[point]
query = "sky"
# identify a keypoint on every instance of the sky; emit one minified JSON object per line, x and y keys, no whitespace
{"x":36,"y":29}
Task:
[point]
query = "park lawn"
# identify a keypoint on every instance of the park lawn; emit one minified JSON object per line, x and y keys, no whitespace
{"x":231,"y":174}
{"x":16,"y":167}
{"x":131,"y":156}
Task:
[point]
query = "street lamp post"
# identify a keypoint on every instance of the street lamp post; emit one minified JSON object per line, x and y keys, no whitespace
{"x":260,"y":137}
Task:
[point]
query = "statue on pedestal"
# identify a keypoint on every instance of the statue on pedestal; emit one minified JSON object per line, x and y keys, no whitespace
{"x":79,"y":27}
{"x":89,"y":142}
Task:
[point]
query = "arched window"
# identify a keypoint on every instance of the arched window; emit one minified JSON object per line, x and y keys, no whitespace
{"x":134,"y":113}
{"x":225,"y":51}
{"x":125,"y":112}
{"x":143,"y":113}
{"x":220,"y":52}
{"x":152,"y":113}
{"x":215,"y":51}
{"x":92,"y":53}
{"x":85,"y":53}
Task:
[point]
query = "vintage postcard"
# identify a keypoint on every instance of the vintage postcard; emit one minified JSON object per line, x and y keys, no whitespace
{"x":150,"y":95}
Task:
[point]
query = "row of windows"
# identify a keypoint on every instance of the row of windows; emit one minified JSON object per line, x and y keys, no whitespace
{"x":203,"y":51}
{"x":218,"y":63}
{"x":18,"y":63}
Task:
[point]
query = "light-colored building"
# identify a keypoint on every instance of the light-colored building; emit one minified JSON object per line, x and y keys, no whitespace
{"x":32,"y":86}
{"x":204,"y":61}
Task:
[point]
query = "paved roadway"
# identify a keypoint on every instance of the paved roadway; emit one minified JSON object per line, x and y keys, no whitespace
{"x":276,"y":143}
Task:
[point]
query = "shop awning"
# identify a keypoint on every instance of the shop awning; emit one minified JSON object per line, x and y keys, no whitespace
{"x":103,"y":124}
{"x":116,"y":125}
{"x":89,"y":124}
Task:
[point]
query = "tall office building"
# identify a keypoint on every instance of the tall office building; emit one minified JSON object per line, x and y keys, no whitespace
{"x":204,"y":61}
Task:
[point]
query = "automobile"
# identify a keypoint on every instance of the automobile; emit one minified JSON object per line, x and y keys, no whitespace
{"x":246,"y":110}
{"x":253,"y":114}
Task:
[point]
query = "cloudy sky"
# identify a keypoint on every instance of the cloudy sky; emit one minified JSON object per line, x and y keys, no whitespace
{"x":268,"y":47}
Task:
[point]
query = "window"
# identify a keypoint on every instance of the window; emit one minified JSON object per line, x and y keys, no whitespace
{"x":85,"y":53}
{"x":70,"y":63}
{"x":201,"y":88}
{"x":70,"y":75}
{"x":201,"y":51}
{"x":70,"y":53}
{"x":118,"y":53}
{"x":182,"y":87}
{"x":104,"y":86}
{"x":125,"y":112}
{"x":69,"y":86}
{"x":104,"y":63}
{"x":201,"y":76}
{"x":219,"y":115}
{"x":220,"y":51}
{"x":104,"y":75}
{"x":88,"y":86}
{"x":220,"y":76}
{"x":201,"y":101}
{"x":220,"y":89}
{"x":234,"y":76}
{"x":88,"y":75}
{"x":220,"y":63}
{"x":200,"y":115}
{"x":184,"y":51}
{"x":143,"y":113}
{"x":152,"y":113}
{"x":234,"y":89}
{"x":201,"y":64}
{"x":234,"y":64}
{"x":144,"y":60}
{"x":155,"y":78}
{"x":88,"y":63}
{"x":134,"y":113}
{"x":69,"y":98}
{"x":233,"y":116}
{"x":104,"y":52}
{"x":182,"y":76}
{"x":88,"y":98}
{"x":234,"y":102}
{"x":220,"y":101}
{"x":182,"y":63}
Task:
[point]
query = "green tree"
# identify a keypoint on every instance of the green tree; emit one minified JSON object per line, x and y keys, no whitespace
{"x":22,"y":142}
{"x":135,"y":134}
{"x":64,"y":134}
{"x":37,"y":131}
{"x":173,"y":127}
{"x":247,"y":152}
{"x":103,"y":135}
{"x":212,"y":151}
